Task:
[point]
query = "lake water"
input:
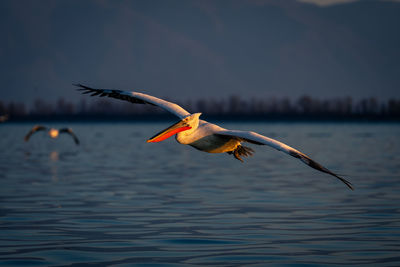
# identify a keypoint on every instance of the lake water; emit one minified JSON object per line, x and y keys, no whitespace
{"x":117,"y":200}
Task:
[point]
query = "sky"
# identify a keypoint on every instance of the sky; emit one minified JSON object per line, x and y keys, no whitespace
{"x":180,"y":49}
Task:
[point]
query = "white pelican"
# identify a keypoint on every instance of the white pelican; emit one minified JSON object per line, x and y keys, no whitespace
{"x":205,"y":136}
{"x":53,"y":133}
{"x":3,"y":118}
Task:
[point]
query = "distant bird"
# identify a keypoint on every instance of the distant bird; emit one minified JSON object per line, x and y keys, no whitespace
{"x":53,"y":133}
{"x":3,"y":118}
{"x":205,"y":136}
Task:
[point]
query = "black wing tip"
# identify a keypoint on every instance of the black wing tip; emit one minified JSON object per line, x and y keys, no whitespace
{"x":79,"y":85}
{"x":349,"y":185}
{"x":76,"y":141}
{"x":87,"y":89}
{"x":83,"y":87}
{"x":319,"y":167}
{"x":70,"y":132}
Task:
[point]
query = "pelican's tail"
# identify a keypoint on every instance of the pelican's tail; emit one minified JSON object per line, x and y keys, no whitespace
{"x":241,"y":151}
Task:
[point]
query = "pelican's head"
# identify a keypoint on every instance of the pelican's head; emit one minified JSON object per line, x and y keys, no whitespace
{"x":188,"y":124}
{"x":53,"y":133}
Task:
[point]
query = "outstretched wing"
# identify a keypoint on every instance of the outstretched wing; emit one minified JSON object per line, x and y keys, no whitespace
{"x":259,"y":139}
{"x":135,"y":97}
{"x":35,"y":129}
{"x":70,"y":132}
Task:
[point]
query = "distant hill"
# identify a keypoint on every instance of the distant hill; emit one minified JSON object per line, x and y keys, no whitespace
{"x":198,"y":48}
{"x":274,"y":47}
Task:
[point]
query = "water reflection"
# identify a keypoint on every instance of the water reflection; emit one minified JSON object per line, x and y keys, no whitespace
{"x":54,"y":156}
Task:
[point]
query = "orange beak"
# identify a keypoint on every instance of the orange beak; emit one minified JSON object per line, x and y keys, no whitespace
{"x":170,"y":131}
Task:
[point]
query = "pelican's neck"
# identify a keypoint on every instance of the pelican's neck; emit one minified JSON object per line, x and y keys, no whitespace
{"x":186,"y":137}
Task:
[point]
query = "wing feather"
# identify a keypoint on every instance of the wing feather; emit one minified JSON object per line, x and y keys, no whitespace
{"x":34,"y":129}
{"x":137,"y":98}
{"x":70,"y":132}
{"x":259,"y":139}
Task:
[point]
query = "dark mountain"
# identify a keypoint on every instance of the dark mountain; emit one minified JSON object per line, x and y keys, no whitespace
{"x":198,"y":48}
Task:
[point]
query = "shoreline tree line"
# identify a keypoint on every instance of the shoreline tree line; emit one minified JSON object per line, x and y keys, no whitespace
{"x":233,"y":107}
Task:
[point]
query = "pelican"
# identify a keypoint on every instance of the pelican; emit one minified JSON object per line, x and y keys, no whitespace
{"x":205,"y":136}
{"x":53,"y":133}
{"x":3,"y":118}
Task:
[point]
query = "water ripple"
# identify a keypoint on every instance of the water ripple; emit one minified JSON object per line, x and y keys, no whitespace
{"x":109,"y":203}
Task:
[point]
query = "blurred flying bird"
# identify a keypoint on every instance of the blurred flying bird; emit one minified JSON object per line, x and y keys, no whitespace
{"x":53,"y":133}
{"x":3,"y":118}
{"x":205,"y":136}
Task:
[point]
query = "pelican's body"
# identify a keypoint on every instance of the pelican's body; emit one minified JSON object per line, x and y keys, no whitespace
{"x":205,"y":136}
{"x":205,"y":140}
{"x":53,"y":133}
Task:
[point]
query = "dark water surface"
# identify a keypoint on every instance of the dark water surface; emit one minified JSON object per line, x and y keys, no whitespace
{"x":117,"y":200}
